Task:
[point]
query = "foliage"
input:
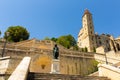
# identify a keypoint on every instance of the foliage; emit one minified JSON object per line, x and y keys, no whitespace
{"x":85,"y":49}
{"x":82,"y":50}
{"x":46,"y":38}
{"x":94,"y":49}
{"x":94,"y":67}
{"x":95,"y":63}
{"x":17,"y":33}
{"x":67,"y":41}
{"x":75,"y":47}
{"x":54,"y":39}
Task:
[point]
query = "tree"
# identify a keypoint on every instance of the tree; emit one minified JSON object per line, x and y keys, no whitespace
{"x":17,"y":33}
{"x":94,"y":49}
{"x":54,"y":39}
{"x":85,"y":49}
{"x":75,"y":47}
{"x":46,"y":38}
{"x":67,"y":41}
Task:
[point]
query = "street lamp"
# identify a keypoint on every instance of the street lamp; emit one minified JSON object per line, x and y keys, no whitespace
{"x":7,"y":34}
{"x":106,"y":58}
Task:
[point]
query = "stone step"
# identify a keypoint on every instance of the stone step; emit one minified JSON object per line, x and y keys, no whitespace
{"x":48,"y":76}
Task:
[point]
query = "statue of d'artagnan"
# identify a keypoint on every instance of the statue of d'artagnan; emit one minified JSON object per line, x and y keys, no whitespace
{"x":55,"y":52}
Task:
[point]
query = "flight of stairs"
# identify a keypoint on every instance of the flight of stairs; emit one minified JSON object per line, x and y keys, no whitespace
{"x":48,"y":76}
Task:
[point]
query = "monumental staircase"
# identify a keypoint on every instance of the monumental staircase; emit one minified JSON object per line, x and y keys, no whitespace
{"x":33,"y":45}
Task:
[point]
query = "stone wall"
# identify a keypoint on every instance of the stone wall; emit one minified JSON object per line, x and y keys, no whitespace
{"x":100,"y":49}
{"x":77,"y":65}
{"x":71,"y":62}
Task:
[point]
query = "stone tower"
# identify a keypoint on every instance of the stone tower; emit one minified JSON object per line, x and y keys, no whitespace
{"x":86,"y":36}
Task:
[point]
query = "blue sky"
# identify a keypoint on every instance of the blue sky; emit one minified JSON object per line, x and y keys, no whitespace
{"x":53,"y":18}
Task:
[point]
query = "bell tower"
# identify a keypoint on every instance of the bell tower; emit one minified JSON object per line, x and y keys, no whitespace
{"x":86,"y":36}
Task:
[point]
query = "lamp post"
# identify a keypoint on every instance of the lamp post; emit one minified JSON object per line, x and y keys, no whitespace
{"x":7,"y":34}
{"x":106,"y":58}
{"x":0,"y":33}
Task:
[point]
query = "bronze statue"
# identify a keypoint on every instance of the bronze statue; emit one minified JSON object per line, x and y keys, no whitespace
{"x":55,"y":52}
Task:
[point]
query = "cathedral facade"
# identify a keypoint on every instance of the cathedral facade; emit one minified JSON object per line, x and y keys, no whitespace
{"x":87,"y":38}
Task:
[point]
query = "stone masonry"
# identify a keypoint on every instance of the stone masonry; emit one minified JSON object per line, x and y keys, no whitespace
{"x":87,"y":38}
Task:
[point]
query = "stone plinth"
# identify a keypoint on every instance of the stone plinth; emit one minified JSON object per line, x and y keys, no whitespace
{"x":55,"y":67}
{"x":4,"y":62}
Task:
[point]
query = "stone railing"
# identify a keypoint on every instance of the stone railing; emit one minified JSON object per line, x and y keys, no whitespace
{"x":113,"y":59}
{"x":111,"y":72}
{"x":21,"y":71}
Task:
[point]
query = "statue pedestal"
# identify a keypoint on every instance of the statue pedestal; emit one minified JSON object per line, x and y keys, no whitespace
{"x":55,"y":67}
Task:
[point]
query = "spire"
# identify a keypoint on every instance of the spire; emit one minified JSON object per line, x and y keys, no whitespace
{"x":86,"y":11}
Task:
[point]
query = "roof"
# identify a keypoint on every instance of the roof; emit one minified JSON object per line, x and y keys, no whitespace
{"x":86,"y":12}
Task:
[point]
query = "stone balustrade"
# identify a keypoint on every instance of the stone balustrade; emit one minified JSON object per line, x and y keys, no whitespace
{"x":21,"y":71}
{"x":109,"y":71}
{"x":113,"y":59}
